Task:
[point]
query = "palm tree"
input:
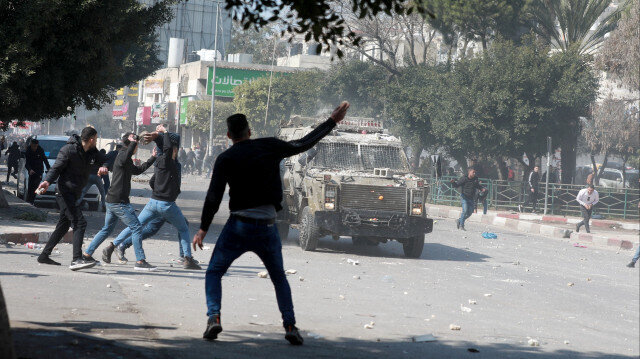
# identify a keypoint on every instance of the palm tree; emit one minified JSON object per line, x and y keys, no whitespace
{"x":578,"y":25}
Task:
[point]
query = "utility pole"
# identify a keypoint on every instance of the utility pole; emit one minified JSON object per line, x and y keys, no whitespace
{"x":213,"y":81}
{"x":546,"y":186}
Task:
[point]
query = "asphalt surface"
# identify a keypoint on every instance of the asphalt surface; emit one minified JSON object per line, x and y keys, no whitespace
{"x":574,"y":302}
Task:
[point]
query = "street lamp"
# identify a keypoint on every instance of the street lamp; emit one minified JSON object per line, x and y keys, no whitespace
{"x":213,"y":79}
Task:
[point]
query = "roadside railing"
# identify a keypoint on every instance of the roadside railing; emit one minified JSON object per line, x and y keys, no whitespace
{"x":507,"y":195}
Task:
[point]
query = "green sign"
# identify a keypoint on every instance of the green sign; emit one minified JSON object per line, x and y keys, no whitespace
{"x":184,"y":102}
{"x":228,"y":79}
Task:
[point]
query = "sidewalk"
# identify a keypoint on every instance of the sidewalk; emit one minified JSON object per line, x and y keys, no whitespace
{"x":608,"y":233}
{"x":22,"y":223}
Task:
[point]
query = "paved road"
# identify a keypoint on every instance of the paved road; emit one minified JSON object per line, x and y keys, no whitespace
{"x":112,"y":311}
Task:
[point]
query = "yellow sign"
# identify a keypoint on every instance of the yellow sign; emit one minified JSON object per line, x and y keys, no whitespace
{"x":118,"y":102}
{"x":120,"y":92}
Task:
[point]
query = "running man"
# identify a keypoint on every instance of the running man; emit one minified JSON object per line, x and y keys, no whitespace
{"x":251,"y":168}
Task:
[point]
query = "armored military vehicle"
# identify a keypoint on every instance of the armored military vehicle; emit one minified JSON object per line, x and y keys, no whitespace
{"x":355,"y":182}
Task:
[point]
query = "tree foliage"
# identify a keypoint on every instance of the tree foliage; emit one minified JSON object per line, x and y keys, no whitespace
{"x":567,"y":24}
{"x":620,"y":53}
{"x":66,"y":53}
{"x":296,"y":93}
{"x":199,"y":115}
{"x":259,"y":43}
{"x":361,"y":83}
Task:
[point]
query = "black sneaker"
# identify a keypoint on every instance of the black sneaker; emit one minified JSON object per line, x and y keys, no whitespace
{"x":190,"y":263}
{"x":119,"y":251}
{"x":44,"y":259}
{"x":89,"y":259}
{"x":293,"y":335}
{"x":577,"y":228}
{"x":107,"y":252}
{"x":631,"y":265}
{"x":214,"y":327}
{"x":457,"y":224}
{"x":143,"y":265}
{"x":81,"y":264}
{"x":464,"y":229}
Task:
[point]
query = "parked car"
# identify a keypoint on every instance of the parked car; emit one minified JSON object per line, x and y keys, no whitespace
{"x":612,"y":178}
{"x":51,"y":146}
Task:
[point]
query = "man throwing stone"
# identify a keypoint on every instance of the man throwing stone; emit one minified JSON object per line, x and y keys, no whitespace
{"x":469,"y":185}
{"x":587,"y":197}
{"x":251,"y":168}
{"x":118,"y":205}
{"x":71,"y":169}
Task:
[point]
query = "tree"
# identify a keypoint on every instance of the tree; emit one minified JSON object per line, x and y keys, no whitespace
{"x":295,"y":93}
{"x":259,"y":43}
{"x":620,"y":53}
{"x":567,"y":24}
{"x":66,"y":53}
{"x":361,"y":83}
{"x":199,"y":115}
{"x":613,"y":129}
{"x":317,"y":19}
{"x":106,"y":126}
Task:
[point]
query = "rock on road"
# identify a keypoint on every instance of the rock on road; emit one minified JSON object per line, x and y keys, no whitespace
{"x":506,"y":295}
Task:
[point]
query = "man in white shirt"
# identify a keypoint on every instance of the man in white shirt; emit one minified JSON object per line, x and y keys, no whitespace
{"x":587,"y":197}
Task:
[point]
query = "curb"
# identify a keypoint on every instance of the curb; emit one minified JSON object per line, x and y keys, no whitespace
{"x":517,"y":222}
{"x":35,"y":237}
{"x":556,"y":219}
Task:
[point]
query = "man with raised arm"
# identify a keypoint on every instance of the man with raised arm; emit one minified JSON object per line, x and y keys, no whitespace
{"x":251,"y":168}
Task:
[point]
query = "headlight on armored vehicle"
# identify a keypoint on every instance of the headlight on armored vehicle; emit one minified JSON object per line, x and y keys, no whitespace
{"x":417,"y":203}
{"x":330,"y":193}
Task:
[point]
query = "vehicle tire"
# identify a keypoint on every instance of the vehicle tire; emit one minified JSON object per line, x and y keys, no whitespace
{"x":309,"y":232}
{"x":283,"y":230}
{"x":413,"y":246}
{"x":362,"y":241}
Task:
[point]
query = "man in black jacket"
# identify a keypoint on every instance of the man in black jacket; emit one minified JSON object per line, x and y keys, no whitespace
{"x":532,"y":186}
{"x":118,"y":205}
{"x":34,"y":160}
{"x":13,"y":153}
{"x":470,"y":184}
{"x":251,"y":168}
{"x":162,"y":207}
{"x":71,"y":170}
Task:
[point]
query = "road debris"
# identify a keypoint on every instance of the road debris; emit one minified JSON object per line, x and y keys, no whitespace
{"x":11,"y":244}
{"x":454,"y":327}
{"x":566,"y":342}
{"x":301,"y":279}
{"x":341,"y":297}
{"x":465,"y":309}
{"x":370,"y":325}
{"x":353,"y":261}
{"x":263,"y":274}
{"x":570,"y":284}
{"x":578,"y":245}
{"x":424,"y":338}
{"x":108,"y":285}
{"x":356,"y":277}
{"x":148,"y":285}
{"x":314,"y":335}
{"x":533,"y":343}
{"x":473,"y":350}
{"x":471,"y":301}
{"x":291,"y":271}
{"x":487,"y":295}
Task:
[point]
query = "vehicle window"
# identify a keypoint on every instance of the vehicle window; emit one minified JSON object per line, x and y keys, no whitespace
{"x":51,"y":147}
{"x":345,"y":156}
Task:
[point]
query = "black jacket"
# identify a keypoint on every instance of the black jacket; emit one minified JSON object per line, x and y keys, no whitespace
{"x":14,"y":154}
{"x":35,"y":160}
{"x":469,"y":186}
{"x":123,"y":168}
{"x":110,"y":158}
{"x":252,"y":170}
{"x":72,"y":167}
{"x":166,"y":177}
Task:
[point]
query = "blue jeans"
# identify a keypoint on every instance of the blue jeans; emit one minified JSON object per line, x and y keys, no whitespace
{"x":237,"y":238}
{"x":152,"y":217}
{"x":636,"y":256}
{"x":93,"y":180}
{"x":125,"y":212}
{"x":467,"y":209}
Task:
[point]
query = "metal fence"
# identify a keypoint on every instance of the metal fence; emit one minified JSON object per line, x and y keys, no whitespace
{"x":507,"y":195}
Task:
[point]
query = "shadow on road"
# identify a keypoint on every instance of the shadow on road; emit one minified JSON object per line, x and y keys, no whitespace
{"x":40,"y":340}
{"x":28,"y":275}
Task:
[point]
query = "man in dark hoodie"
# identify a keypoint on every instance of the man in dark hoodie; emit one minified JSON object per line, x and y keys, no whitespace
{"x":251,"y":226}
{"x":34,"y":160}
{"x":71,"y":170}
{"x":470,"y":184}
{"x":118,"y":205}
{"x":162,"y":207}
{"x":13,"y":153}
